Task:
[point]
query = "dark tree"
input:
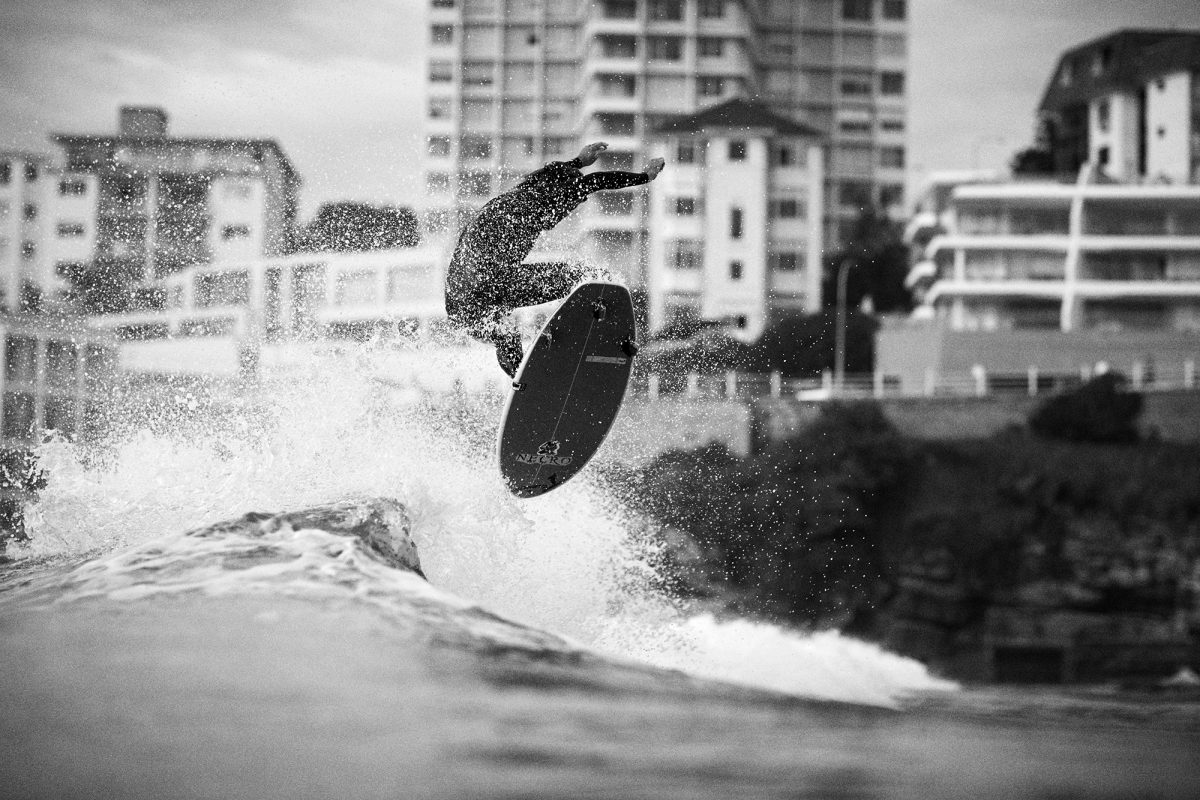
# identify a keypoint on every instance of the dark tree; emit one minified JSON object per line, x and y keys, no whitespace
{"x":348,"y":227}
{"x":879,"y":264}
{"x":1032,"y":161}
{"x":1102,"y":410}
{"x":803,"y":346}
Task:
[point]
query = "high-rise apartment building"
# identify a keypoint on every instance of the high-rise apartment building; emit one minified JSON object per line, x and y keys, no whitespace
{"x":515,"y":83}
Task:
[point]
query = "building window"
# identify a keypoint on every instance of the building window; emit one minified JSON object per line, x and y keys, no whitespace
{"x":28,"y":249}
{"x":711,"y":47}
{"x":1103,"y":115}
{"x":892,"y":157}
{"x":478,"y":73}
{"x":785,"y":155}
{"x":894,"y":9}
{"x":438,"y":145}
{"x":476,"y":147}
{"x":70,"y":188}
{"x":687,"y":151}
{"x":711,"y":9}
{"x":856,"y":87}
{"x":736,"y":228}
{"x":476,"y":184}
{"x":786,"y":208}
{"x":709,"y":86}
{"x":229,"y":232}
{"x":892,"y":125}
{"x":1102,"y":156}
{"x":442,"y":34}
{"x":70,"y":230}
{"x":618,"y":46}
{"x":891,"y":83}
{"x":31,"y":173}
{"x":891,"y":194}
{"x":29,"y":212}
{"x":439,"y":107}
{"x":5,"y":173}
{"x":857,"y":10}
{"x":665,"y":48}
{"x":685,"y":206}
{"x":684,"y":254}
{"x":735,"y":270}
{"x":737,"y":149}
{"x":666,"y":10}
{"x":855,"y":127}
{"x":443,"y":3}
{"x":441,"y":72}
{"x":786,"y":261}
{"x":555,"y":145}
{"x":617,"y":85}
{"x":856,"y":194}
{"x":437,"y":182}
{"x":620,"y":9}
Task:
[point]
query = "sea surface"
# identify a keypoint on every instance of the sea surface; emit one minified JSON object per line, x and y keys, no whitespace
{"x":538,"y":660}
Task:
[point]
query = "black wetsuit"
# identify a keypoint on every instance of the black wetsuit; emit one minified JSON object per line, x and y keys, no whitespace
{"x":487,"y":278}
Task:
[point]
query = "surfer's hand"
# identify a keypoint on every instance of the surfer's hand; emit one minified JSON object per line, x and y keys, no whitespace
{"x":590,"y":152}
{"x":653,"y":167}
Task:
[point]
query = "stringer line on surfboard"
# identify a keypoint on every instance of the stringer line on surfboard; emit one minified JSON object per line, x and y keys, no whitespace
{"x":574,"y":375}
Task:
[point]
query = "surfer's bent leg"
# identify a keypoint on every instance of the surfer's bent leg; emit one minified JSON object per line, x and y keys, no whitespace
{"x":542,"y":282}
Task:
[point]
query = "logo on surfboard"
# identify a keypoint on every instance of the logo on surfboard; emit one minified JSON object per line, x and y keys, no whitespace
{"x":547,"y":453}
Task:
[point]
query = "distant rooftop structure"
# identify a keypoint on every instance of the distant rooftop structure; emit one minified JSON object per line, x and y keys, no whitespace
{"x":1123,"y":60}
{"x":738,"y":113}
{"x":142,"y":121}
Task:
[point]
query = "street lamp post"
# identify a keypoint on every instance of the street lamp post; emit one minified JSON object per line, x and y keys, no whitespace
{"x":839,"y":341}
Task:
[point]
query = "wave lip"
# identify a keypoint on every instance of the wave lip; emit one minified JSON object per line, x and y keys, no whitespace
{"x":381,"y":524}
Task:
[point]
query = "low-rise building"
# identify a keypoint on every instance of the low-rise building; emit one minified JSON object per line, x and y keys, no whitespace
{"x":735,"y":221}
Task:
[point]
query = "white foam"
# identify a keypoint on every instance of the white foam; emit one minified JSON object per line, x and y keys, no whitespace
{"x":562,"y":563}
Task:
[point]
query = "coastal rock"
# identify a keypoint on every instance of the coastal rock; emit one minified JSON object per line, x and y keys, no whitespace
{"x":382,"y":524}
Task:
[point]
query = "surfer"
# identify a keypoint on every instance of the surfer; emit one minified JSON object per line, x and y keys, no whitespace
{"x":487,"y":278}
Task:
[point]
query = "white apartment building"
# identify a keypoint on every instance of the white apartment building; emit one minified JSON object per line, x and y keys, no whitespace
{"x":1099,"y":262}
{"x":27,"y":222}
{"x":1129,"y":103}
{"x":155,"y":204}
{"x":515,"y":83}
{"x":735,"y":222}
{"x":1085,"y":254}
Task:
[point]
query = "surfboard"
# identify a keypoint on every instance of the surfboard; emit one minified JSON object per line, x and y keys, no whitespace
{"x":568,"y":390}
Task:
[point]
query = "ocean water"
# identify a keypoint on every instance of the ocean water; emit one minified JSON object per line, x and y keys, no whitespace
{"x":537,"y":661}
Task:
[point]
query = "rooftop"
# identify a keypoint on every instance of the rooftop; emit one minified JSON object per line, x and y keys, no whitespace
{"x":1125,"y":59}
{"x":736,"y":113}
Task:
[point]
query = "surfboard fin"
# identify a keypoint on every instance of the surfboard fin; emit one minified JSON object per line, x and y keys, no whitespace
{"x":599,"y":310}
{"x":630,"y":348}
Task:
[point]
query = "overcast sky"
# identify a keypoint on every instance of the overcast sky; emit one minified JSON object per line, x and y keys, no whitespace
{"x":340,"y":83}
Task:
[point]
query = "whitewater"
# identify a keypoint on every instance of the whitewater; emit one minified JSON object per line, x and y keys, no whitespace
{"x":148,"y":653}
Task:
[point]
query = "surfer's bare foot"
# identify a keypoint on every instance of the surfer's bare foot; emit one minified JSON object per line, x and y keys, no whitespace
{"x":653,"y":167}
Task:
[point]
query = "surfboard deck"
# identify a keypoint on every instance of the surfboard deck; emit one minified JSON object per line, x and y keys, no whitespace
{"x":568,"y":390}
